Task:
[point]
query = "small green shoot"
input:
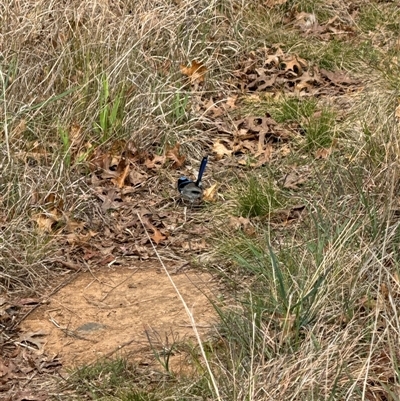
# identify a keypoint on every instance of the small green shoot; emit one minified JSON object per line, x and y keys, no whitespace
{"x":167,"y":348}
{"x":8,"y":76}
{"x":102,"y":376}
{"x":66,"y":146}
{"x":179,"y":106}
{"x":282,"y":297}
{"x":111,"y":111}
{"x":48,"y":101}
{"x":334,"y":54}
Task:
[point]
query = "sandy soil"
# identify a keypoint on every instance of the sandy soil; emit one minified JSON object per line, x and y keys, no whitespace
{"x":109,"y":312}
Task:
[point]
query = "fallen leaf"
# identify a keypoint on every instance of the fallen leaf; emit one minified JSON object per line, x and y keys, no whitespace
{"x":33,"y":338}
{"x":397,"y":112}
{"x":120,"y":180}
{"x":235,"y":222}
{"x":294,"y":64}
{"x":323,"y":153}
{"x":157,"y":236}
{"x":210,"y":193}
{"x":293,"y":180}
{"x":263,"y":156}
{"x":106,"y":260}
{"x":252,"y":127}
{"x":212,"y":110}
{"x":73,"y":225}
{"x":221,"y":150}
{"x":230,"y":102}
{"x":52,"y":200}
{"x":286,"y":217}
{"x":137,"y":177}
{"x":110,"y":199}
{"x":306,"y":20}
{"x":284,"y":150}
{"x":338,"y":77}
{"x":194,"y":245}
{"x":157,"y":162}
{"x":99,"y":160}
{"x":195,"y":72}
{"x":174,"y":154}
{"x":272,"y":61}
{"x":77,"y":238}
{"x":45,"y":221}
{"x":303,"y":87}
{"x":76,"y":136}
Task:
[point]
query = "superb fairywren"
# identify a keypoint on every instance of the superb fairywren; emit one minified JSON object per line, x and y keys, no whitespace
{"x":192,"y":190}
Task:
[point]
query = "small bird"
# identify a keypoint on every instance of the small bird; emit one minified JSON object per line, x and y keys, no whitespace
{"x":192,"y":190}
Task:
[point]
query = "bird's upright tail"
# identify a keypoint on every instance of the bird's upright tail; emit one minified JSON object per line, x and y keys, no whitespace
{"x":201,"y":170}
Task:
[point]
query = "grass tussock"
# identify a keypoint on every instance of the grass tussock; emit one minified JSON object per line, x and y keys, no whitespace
{"x":313,"y":308}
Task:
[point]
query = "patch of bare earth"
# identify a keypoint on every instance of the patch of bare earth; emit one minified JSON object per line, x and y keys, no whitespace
{"x":116,"y":311}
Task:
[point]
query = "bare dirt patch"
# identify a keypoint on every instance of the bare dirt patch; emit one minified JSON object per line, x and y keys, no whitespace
{"x":108,"y":312}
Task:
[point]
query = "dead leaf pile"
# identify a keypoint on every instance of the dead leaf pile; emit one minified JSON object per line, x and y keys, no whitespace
{"x":124,"y":206}
{"x":272,"y":70}
{"x":51,"y":212}
{"x":250,"y":139}
{"x":254,"y":136}
{"x":16,"y":372}
{"x":250,"y":136}
{"x":22,"y":355}
{"x":336,"y":27}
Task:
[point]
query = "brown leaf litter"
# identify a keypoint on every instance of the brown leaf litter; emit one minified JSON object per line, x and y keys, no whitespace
{"x":250,"y":136}
{"x":22,"y":357}
{"x":109,"y":229}
{"x":271,"y":69}
{"x":336,"y":27}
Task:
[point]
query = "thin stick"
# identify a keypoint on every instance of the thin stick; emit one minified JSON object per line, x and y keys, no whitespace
{"x":188,"y":312}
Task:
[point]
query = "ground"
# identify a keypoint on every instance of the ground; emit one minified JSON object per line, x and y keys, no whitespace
{"x":102,"y":313}
{"x":289,"y":263}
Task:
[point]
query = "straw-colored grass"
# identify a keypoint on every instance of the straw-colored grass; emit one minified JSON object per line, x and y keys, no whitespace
{"x":315,"y":311}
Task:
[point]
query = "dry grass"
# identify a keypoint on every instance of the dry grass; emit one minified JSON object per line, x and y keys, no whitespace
{"x":53,"y":71}
{"x":317,"y":304}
